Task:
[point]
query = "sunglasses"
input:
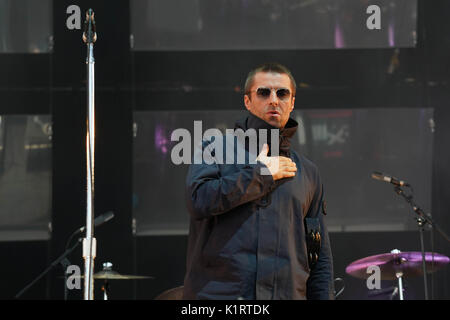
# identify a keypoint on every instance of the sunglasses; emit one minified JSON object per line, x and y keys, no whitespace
{"x":282,"y":93}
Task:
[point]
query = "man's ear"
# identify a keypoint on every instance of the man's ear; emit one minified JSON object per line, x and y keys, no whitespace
{"x":293,"y":101}
{"x":247,"y":102}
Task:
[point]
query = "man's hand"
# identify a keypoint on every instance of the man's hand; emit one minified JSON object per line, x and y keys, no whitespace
{"x":279,"y":167}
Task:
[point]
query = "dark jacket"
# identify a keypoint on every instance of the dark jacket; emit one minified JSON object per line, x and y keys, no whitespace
{"x":247,"y":233}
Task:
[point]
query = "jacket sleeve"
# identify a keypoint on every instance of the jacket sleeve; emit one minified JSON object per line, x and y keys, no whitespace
{"x":209,"y":193}
{"x":320,"y":285}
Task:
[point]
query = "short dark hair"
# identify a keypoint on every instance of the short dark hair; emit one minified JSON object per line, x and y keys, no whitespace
{"x":273,"y":67}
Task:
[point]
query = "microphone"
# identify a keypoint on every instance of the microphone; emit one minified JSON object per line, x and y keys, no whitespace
{"x":383,"y":177}
{"x":89,"y":33}
{"x":100,"y":220}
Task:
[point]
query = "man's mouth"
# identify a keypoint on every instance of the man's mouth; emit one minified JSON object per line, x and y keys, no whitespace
{"x":273,"y":113}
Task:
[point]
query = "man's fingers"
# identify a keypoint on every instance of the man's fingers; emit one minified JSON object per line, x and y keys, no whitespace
{"x":285,"y":160}
{"x":262,"y":156}
{"x":281,"y":167}
{"x":289,"y":168}
{"x":286,"y":164}
{"x":289,"y":173}
{"x":284,"y":174}
{"x":264,"y":150}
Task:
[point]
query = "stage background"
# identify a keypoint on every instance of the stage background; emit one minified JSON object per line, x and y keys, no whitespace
{"x":49,"y":81}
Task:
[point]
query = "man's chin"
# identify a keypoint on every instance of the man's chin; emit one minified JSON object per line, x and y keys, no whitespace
{"x":273,"y":122}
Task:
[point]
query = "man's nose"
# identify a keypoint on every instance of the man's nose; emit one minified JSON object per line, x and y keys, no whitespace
{"x":273,"y":97}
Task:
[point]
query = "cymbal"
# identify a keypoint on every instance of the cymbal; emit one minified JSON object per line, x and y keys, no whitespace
{"x":113,"y":275}
{"x":407,"y":264}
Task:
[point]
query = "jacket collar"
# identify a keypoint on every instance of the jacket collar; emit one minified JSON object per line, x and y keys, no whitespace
{"x":253,"y":122}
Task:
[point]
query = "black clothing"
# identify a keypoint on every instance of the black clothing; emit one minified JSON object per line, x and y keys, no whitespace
{"x":247,"y":234}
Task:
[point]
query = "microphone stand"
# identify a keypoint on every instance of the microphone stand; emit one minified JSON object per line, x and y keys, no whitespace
{"x":89,"y":243}
{"x":62,"y":259}
{"x":422,"y":219}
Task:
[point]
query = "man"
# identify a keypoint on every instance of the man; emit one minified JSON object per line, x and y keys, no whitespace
{"x":247,"y":237}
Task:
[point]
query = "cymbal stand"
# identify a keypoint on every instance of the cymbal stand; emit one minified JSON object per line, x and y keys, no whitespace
{"x":107,"y":266}
{"x":399,"y":276}
{"x":105,"y":289}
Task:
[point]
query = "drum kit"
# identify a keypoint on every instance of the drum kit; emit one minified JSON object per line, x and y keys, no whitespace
{"x":394,"y":265}
{"x":397,"y":265}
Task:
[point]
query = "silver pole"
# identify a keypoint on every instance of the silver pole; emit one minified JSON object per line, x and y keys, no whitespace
{"x":89,"y":243}
{"x":400,"y":286}
{"x":399,"y":273}
{"x":105,"y":290}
